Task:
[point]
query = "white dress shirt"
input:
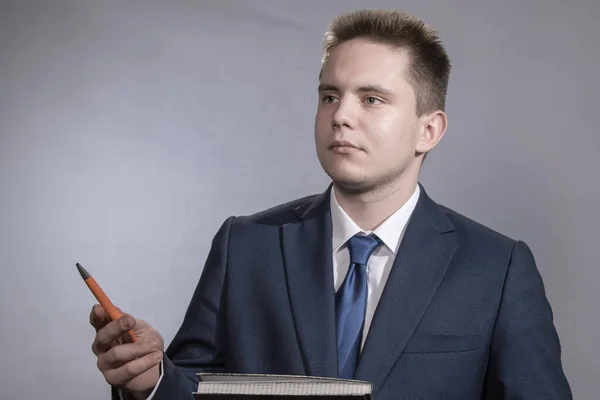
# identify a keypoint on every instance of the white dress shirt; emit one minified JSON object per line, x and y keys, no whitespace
{"x":380,"y":263}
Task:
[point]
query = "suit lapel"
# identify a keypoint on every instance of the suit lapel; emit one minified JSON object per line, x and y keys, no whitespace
{"x":421,"y":262}
{"x":308,"y":267}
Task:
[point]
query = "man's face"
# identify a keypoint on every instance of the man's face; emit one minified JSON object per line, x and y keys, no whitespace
{"x":366,"y":127}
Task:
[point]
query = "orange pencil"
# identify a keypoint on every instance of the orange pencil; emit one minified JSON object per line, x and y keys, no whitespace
{"x":104,"y":301}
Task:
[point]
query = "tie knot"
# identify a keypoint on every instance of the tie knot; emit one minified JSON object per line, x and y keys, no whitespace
{"x":361,"y":247}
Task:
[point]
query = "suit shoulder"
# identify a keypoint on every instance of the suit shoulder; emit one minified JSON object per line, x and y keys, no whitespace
{"x":474,"y":230}
{"x":277,"y":215}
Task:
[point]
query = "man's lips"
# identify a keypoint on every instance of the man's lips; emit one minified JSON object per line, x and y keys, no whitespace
{"x":343,"y":146}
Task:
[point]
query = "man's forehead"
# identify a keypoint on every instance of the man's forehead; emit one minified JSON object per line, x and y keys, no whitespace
{"x":356,"y":79}
{"x":364,"y":64}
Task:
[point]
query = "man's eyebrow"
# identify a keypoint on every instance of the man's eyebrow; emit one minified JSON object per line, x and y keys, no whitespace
{"x":361,"y":89}
{"x":328,"y":87}
{"x":374,"y":88}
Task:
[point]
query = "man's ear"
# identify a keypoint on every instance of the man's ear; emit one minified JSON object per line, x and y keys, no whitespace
{"x":433,"y":128}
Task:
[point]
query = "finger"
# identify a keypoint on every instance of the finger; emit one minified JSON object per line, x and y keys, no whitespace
{"x":112,"y":332}
{"x":127,"y":338}
{"x":125,"y":373}
{"x":122,"y":354}
{"x":98,"y":317}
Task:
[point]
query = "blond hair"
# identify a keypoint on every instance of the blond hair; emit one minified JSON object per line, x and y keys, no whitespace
{"x":429,"y":68}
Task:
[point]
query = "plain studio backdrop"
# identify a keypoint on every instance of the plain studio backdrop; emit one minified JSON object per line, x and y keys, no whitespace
{"x":131,"y":129}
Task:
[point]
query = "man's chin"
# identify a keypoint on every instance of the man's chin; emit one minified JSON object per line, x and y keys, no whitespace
{"x":350,"y":178}
{"x":351,"y":184}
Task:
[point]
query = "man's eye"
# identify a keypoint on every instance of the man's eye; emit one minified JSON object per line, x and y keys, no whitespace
{"x":372,"y":100}
{"x":328,"y":99}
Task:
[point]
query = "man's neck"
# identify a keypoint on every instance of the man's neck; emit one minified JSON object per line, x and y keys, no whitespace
{"x":369,"y":209}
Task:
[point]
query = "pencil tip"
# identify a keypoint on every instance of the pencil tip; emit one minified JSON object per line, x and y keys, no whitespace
{"x":84,"y":274}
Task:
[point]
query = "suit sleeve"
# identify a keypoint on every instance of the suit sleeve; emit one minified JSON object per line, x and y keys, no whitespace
{"x":200,"y":343}
{"x":525,"y":356}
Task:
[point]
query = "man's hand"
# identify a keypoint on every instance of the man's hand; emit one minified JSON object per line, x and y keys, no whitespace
{"x":131,"y":366}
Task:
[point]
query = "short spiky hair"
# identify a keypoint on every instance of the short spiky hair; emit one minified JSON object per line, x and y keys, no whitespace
{"x":429,"y":71}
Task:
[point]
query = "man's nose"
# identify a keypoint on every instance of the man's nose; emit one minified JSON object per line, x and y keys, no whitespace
{"x":344,"y":115}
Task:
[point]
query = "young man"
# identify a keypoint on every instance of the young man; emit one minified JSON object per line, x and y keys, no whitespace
{"x":371,"y":279}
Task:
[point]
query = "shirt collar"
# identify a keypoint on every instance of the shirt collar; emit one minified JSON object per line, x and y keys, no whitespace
{"x":390,"y":231}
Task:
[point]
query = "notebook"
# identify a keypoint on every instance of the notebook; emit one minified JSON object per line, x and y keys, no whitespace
{"x":278,"y":387}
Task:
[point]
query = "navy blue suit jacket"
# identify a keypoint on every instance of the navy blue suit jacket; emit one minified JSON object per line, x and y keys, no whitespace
{"x":463,"y":315}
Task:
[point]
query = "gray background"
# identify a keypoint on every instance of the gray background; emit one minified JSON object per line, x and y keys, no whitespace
{"x":131,"y":129}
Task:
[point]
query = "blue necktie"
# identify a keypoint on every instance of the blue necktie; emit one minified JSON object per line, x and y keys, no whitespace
{"x":351,"y":304}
